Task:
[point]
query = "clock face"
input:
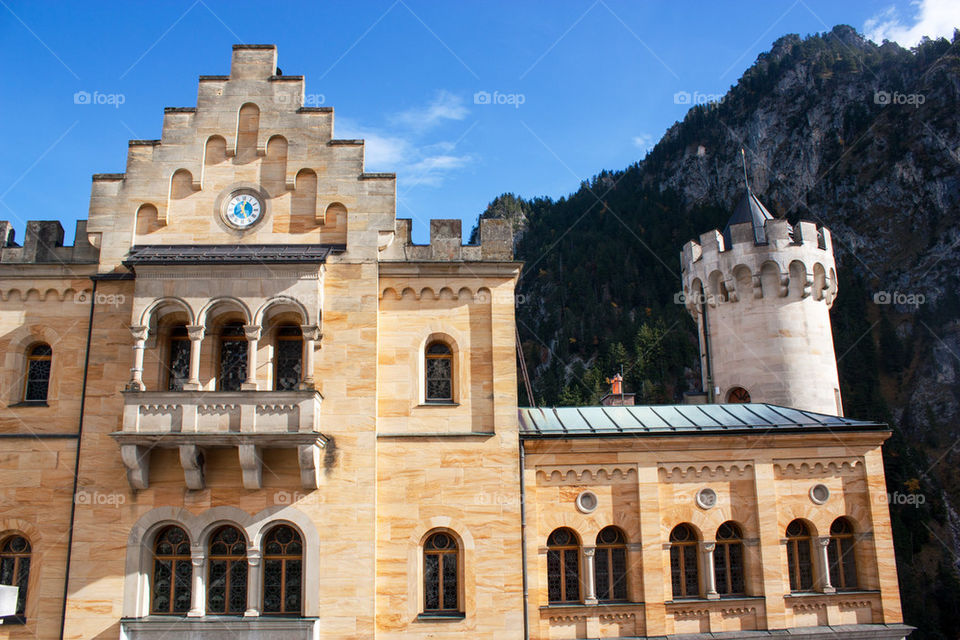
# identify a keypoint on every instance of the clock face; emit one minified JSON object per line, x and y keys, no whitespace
{"x":243,"y":210}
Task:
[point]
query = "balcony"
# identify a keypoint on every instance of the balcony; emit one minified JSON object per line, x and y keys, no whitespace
{"x":192,"y":421}
{"x":159,"y":628}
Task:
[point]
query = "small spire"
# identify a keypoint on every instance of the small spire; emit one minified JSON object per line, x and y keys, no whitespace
{"x":743,"y":160}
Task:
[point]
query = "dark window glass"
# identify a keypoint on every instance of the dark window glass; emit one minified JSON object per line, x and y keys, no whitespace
{"x":178,"y":363}
{"x":15,"y":568}
{"x":227,"y":572}
{"x":38,"y":373}
{"x":610,"y":565}
{"x":799,"y":556}
{"x":843,"y":562}
{"x":563,"y":566}
{"x":684,"y":574}
{"x":439,"y":365}
{"x":440,"y":573}
{"x":728,"y":560}
{"x":282,"y":572}
{"x":289,"y":358}
{"x":172,"y":573}
{"x":233,"y":357}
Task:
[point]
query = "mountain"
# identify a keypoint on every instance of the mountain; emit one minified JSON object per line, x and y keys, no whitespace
{"x":862,"y":138}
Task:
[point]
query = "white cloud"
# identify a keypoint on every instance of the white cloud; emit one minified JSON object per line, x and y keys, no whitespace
{"x":644,"y":141}
{"x":932,"y":18}
{"x":444,"y":106}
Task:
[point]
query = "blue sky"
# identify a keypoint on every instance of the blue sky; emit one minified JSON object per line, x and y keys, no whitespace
{"x":573,"y":86}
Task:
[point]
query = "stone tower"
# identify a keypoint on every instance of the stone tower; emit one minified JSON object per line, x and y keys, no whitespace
{"x":761,"y":293}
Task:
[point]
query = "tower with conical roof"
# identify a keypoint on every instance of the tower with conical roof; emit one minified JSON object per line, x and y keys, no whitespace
{"x":761,"y":293}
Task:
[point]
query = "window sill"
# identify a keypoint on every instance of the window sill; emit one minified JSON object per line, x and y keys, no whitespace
{"x":439,"y":616}
{"x":28,"y":403}
{"x":438,"y":403}
{"x":838,"y":592}
{"x":580,"y":605}
{"x":733,"y":598}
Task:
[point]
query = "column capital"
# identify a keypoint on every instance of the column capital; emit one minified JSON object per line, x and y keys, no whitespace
{"x":311,"y":332}
{"x":589,"y":551}
{"x":195,"y":331}
{"x":822,"y":541}
{"x":139,"y":333}
{"x":251,"y":331}
{"x":708,"y":547}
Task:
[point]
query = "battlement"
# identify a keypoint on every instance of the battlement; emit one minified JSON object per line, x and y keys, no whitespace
{"x":43,"y":244}
{"x":495,"y":243}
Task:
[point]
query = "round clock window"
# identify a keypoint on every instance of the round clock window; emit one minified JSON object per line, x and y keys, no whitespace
{"x":243,"y":210}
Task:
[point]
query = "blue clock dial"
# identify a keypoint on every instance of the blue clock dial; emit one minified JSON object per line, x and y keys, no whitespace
{"x":243,"y":210}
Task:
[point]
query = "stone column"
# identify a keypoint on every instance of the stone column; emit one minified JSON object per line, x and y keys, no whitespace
{"x":136,"y":371}
{"x":254,"y":590}
{"x":198,"y":592}
{"x":709,"y":575}
{"x":311,"y":333}
{"x":195,"y":331}
{"x":590,"y":587}
{"x":252,"y":333}
{"x":823,"y":557}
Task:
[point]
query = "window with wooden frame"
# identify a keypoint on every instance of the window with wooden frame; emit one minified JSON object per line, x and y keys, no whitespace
{"x":441,"y":574}
{"x":233,"y":357}
{"x":288,"y":358}
{"x":171,"y":582}
{"x":738,"y":395}
{"x":728,"y":560}
{"x":283,"y":572}
{"x":842,"y":555}
{"x":178,"y":359}
{"x":684,"y":572}
{"x":15,"y":570}
{"x":37,"y":376}
{"x":563,"y":566}
{"x":610,"y":565}
{"x":439,"y":373}
{"x":227,"y":572}
{"x":800,"y":556}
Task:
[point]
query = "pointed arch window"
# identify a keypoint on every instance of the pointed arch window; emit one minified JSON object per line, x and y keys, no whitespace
{"x":227,"y":572}
{"x":728,"y":560}
{"x":439,"y":373}
{"x":440,"y":574}
{"x":800,"y":556}
{"x":172,"y":573}
{"x":288,"y":370}
{"x":178,"y":359}
{"x":684,"y":573}
{"x":842,"y":555}
{"x":37,"y":380}
{"x":233,"y":357}
{"x":610,"y":565}
{"x":15,"y":569}
{"x":283,"y":572}
{"x":563,"y":566}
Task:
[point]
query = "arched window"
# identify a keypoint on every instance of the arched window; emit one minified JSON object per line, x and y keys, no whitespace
{"x":288,"y":362}
{"x":172,"y":573}
{"x":563,"y":566}
{"x":683,"y":562}
{"x":843,"y":562}
{"x":800,"y":556}
{"x":610,"y":565}
{"x":440,"y":572}
{"x":38,"y":373}
{"x":178,"y":359}
{"x":15,"y":568}
{"x":738,"y":395}
{"x":728,"y":560}
{"x":439,"y":373}
{"x":233,"y":357}
{"x":283,"y":572}
{"x":227,"y":572}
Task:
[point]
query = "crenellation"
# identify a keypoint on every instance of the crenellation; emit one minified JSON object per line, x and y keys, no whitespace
{"x":446,"y":243}
{"x":43,"y":244}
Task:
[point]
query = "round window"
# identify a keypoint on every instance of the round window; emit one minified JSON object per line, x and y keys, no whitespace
{"x":819,"y":493}
{"x":587,"y":501}
{"x":706,"y":498}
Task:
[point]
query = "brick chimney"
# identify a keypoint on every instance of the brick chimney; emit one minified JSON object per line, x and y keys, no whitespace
{"x":616,"y":397}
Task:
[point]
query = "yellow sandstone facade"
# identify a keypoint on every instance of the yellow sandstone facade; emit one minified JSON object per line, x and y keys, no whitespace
{"x":245,"y":405}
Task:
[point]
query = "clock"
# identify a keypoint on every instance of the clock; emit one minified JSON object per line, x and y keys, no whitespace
{"x":243,"y":210}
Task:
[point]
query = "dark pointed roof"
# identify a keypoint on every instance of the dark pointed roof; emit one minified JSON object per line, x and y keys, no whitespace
{"x":750,"y":209}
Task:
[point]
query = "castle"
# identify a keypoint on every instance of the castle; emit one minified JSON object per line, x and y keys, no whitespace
{"x":244,"y":404}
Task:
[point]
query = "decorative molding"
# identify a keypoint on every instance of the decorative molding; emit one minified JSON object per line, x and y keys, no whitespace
{"x":685,"y":472}
{"x":825,"y":467}
{"x":587,"y":474}
{"x":60,"y":295}
{"x":482,"y":295}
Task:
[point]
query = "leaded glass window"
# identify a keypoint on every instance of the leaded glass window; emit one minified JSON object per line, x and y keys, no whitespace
{"x":610,"y":565}
{"x":289,"y":358}
{"x":684,"y":573}
{"x":15,"y":568}
{"x":728,"y":560}
{"x":38,"y":373}
{"x":843,"y":563}
{"x":282,"y":572}
{"x":439,"y":373}
{"x":172,"y":573}
{"x":800,"y":556}
{"x":227,"y":572}
{"x":440,"y":574}
{"x":233,"y":357}
{"x":563,"y":566}
{"x":178,"y":362}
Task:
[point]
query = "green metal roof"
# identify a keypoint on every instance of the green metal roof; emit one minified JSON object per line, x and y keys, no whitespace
{"x":680,"y":419}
